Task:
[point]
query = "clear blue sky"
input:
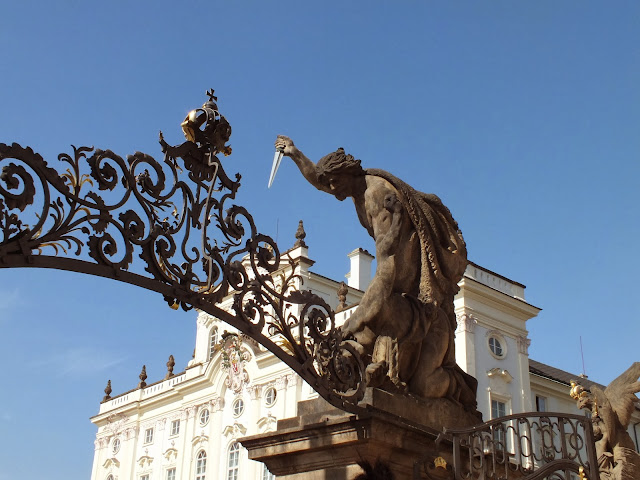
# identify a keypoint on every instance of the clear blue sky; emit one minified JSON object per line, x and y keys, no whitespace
{"x":523,"y":116}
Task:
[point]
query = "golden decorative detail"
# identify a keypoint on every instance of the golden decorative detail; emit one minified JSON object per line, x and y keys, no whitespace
{"x":581,"y":474}
{"x":187,"y":126}
{"x":577,"y":391}
{"x":440,"y":463}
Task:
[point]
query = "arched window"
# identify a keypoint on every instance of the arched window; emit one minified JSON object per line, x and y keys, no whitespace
{"x":233,"y":461}
{"x":201,"y":465}
{"x":213,"y":341}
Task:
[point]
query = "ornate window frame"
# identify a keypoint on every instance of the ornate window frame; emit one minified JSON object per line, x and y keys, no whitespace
{"x":238,"y":407}
{"x":201,"y":465}
{"x":233,"y":461}
{"x":204,"y":417}
{"x":496,"y":340}
{"x":270,"y":396}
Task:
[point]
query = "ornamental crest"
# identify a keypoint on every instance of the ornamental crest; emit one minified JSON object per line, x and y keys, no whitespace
{"x":234,"y":357}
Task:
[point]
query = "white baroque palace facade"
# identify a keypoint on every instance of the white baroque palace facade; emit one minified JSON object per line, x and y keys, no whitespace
{"x":187,"y":426}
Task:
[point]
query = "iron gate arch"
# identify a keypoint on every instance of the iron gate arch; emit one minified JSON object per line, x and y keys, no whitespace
{"x":170,"y":226}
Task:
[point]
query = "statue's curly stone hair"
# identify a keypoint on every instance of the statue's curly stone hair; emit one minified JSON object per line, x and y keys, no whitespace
{"x":338,"y":162}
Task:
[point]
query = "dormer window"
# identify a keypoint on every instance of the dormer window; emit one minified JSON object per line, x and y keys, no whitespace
{"x":213,"y":341}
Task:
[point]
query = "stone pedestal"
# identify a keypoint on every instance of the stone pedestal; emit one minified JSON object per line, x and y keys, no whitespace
{"x":324,"y":443}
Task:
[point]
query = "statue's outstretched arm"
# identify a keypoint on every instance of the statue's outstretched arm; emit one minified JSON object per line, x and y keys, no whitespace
{"x":306,"y":166}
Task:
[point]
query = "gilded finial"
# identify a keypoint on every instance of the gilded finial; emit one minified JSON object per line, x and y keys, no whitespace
{"x":143,"y":377}
{"x":577,"y":391}
{"x":300,"y":235}
{"x":170,"y":364}
{"x":107,"y":392}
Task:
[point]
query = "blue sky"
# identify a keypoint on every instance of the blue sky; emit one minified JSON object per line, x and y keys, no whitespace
{"x":522,"y":116}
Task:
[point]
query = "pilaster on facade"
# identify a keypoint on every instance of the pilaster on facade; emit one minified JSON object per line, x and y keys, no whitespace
{"x":255,"y":391}
{"x":523,"y":344}
{"x":466,"y":322}
{"x":465,"y":341}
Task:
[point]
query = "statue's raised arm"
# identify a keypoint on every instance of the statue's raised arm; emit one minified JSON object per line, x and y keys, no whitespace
{"x":306,"y":166}
{"x":404,"y":324}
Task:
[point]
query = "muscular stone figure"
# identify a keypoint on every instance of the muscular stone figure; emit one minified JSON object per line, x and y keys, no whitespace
{"x":611,"y":411}
{"x":404,"y":325}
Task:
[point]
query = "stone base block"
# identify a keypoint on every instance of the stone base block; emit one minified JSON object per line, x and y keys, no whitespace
{"x":323,"y":442}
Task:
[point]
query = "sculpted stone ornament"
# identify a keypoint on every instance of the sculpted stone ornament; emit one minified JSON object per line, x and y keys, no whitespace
{"x":404,"y":325}
{"x":234,"y":358}
{"x":611,"y":411}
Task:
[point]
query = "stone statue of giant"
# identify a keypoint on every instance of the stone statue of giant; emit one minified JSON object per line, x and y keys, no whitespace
{"x":404,"y":325}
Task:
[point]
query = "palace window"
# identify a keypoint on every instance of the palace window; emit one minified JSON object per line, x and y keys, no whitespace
{"x":499,"y":409}
{"x":213,"y":341}
{"x":233,"y":461}
{"x":204,"y":417}
{"x":148,"y":435}
{"x":115,"y":446}
{"x":201,"y":465}
{"x":238,"y":407}
{"x":496,"y":347}
{"x":541,"y":403}
{"x":270,"y":396}
{"x":171,"y":474}
{"x":144,"y":477}
{"x":175,"y":427}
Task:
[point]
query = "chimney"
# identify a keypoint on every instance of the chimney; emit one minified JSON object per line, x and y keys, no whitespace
{"x":360,"y":275}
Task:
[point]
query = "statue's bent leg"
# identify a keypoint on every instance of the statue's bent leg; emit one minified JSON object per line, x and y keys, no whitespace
{"x":388,"y":369}
{"x":430,"y":379}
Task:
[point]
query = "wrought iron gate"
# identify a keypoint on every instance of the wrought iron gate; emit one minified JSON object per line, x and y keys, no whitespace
{"x":527,"y":446}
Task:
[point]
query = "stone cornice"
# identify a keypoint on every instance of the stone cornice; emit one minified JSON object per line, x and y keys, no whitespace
{"x":516,"y":307}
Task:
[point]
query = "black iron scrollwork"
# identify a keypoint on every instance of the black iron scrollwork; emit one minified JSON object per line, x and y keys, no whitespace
{"x":527,"y":446}
{"x":141,"y":221}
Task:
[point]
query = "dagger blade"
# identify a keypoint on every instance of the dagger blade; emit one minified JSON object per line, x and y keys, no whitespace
{"x":277,"y":158}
